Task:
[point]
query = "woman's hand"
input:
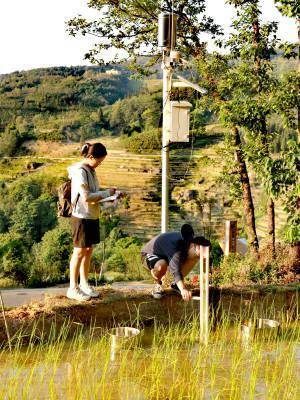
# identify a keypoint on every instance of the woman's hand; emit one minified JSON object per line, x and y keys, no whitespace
{"x":112,"y":191}
{"x":186,"y":294}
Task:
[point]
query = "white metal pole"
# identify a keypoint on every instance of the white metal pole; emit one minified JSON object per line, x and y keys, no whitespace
{"x":167,"y":83}
{"x":5,"y":322}
{"x":204,"y":293}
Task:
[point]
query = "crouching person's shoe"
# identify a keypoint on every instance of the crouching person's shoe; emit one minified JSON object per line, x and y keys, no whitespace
{"x":157,"y":291}
{"x":89,"y":291}
{"x":77,"y":294}
{"x":175,"y":287}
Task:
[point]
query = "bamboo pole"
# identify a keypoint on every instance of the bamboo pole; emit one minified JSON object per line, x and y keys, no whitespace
{"x":5,"y":322}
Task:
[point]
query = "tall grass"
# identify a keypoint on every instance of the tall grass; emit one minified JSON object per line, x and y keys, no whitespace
{"x":167,"y":363}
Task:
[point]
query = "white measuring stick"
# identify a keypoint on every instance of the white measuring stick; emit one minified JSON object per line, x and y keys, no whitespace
{"x":204,"y":293}
{"x":5,"y":322}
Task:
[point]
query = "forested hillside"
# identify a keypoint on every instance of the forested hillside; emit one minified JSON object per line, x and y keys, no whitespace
{"x":63,"y":103}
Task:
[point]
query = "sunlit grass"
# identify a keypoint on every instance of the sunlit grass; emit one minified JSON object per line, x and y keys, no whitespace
{"x":169,"y":362}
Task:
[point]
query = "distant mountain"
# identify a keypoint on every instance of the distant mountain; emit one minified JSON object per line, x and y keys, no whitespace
{"x":61,"y":103}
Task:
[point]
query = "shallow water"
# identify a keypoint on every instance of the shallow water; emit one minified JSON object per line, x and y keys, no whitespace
{"x":167,"y":363}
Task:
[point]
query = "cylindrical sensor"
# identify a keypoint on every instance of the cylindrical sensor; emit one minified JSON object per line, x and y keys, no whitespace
{"x":167,"y":28}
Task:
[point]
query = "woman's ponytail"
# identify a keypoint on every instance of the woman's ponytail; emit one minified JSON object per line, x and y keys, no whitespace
{"x":96,"y":150}
{"x":85,"y":149}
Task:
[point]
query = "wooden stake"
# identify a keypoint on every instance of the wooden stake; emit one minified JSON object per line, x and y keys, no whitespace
{"x":230,"y":237}
{"x":5,"y":323}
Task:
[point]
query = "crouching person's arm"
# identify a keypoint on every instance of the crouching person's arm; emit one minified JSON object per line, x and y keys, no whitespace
{"x":175,"y":269}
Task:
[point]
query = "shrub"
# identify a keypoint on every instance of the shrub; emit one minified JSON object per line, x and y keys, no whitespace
{"x":147,"y":141}
{"x":116,"y":263}
{"x":51,"y":256}
{"x":216,"y":253}
{"x":3,"y":222}
{"x":264,"y":269}
{"x":8,"y":142}
{"x":14,"y":258}
{"x":121,"y":255}
{"x":108,"y":222}
{"x":125,"y":254}
{"x":33,"y":218}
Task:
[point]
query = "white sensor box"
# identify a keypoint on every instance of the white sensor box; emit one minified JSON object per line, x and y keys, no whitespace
{"x":179,"y":121}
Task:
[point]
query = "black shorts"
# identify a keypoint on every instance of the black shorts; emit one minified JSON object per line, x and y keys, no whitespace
{"x":151,"y":260}
{"x":85,"y":232}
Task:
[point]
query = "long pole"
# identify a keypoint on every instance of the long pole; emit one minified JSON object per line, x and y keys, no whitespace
{"x":204,"y":293}
{"x":5,"y":323}
{"x":167,"y":82}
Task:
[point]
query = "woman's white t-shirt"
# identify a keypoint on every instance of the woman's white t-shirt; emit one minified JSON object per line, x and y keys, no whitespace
{"x":85,"y":183}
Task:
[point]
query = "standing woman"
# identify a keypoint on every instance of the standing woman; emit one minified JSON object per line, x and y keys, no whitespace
{"x":85,"y":197}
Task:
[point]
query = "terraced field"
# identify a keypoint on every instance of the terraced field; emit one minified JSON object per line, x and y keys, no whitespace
{"x":139,"y":175}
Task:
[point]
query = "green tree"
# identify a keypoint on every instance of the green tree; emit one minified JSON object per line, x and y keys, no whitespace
{"x":9,"y":141}
{"x":253,"y":45}
{"x":33,"y":218}
{"x":14,"y":258}
{"x":283,"y":179}
{"x":51,"y":256}
{"x":286,"y":167}
{"x":147,"y":141}
{"x":4,"y":222}
{"x":221,"y":80}
{"x":134,"y":32}
{"x":136,"y":113}
{"x":291,"y":8}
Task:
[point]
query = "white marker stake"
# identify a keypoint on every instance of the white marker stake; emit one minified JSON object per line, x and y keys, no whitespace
{"x":204,"y":293}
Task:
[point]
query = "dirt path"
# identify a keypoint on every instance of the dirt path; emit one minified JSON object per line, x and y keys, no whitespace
{"x":19,"y":297}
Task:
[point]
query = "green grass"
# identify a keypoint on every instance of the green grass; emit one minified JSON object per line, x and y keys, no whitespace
{"x":7,"y":283}
{"x":168,"y":363}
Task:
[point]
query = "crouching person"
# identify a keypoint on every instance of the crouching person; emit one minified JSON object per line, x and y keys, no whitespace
{"x":176,"y":251}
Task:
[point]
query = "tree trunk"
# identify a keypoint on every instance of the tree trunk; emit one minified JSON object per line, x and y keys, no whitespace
{"x":264,"y":131}
{"x":247,"y":195}
{"x":296,"y":246}
{"x":271,"y":225}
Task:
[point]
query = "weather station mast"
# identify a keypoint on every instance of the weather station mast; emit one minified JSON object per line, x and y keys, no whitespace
{"x":176,"y":114}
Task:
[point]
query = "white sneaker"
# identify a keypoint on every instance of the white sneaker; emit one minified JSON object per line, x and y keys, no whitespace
{"x":89,"y":291}
{"x":157,"y":291}
{"x":77,"y":294}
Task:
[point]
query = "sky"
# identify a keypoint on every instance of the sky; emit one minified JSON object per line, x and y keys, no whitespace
{"x":32,"y":32}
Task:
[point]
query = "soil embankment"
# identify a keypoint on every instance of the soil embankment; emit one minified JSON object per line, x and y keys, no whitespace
{"x":131,"y":306}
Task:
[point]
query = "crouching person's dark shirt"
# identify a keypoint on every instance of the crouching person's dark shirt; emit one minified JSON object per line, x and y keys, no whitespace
{"x":171,"y":247}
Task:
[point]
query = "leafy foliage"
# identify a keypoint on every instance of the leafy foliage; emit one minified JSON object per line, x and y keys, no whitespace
{"x":14,"y":258}
{"x":58,"y":103}
{"x":27,"y":213}
{"x":290,"y":8}
{"x":51,"y":256}
{"x":147,"y":141}
{"x":135,"y":30}
{"x":136,"y":113}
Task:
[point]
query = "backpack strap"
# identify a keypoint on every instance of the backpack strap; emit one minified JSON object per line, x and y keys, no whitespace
{"x":87,"y":175}
{"x":77,"y":198}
